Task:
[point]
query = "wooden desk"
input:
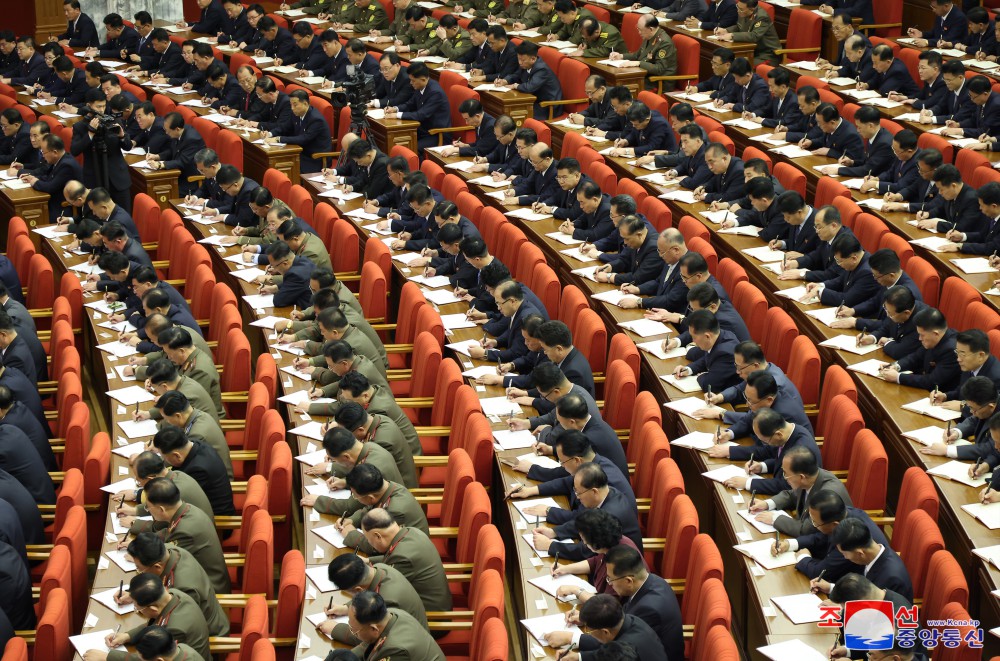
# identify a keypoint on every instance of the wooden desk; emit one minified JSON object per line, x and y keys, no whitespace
{"x":29,"y":204}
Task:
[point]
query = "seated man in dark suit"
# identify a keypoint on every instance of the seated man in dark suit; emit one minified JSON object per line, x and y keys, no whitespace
{"x":638,"y":262}
{"x":950,"y":25}
{"x":309,"y":131}
{"x":14,"y":350}
{"x":837,"y":138}
{"x":308,"y":54}
{"x":114,"y":237}
{"x":373,"y":170}
{"x":222,"y":88}
{"x":667,"y":292}
{"x":15,"y":147}
{"x":151,"y":135}
{"x":722,"y":80}
{"x":611,"y":631}
{"x":881,"y":564}
{"x":800,"y":218}
{"x":485,"y":141}
{"x":876,"y":149}
{"x":185,"y":142}
{"x":902,"y":174}
{"x":392,"y":88}
{"x":534,"y":77}
{"x":428,"y":105}
{"x":693,"y":167}
{"x":820,"y":264}
{"x":778,"y":435}
{"x":193,"y":455}
{"x":933,"y":366}
{"x":32,"y":67}
{"x":541,"y":184}
{"x":120,"y":38}
{"x":295,"y":272}
{"x":749,"y":93}
{"x":247,"y":102}
{"x":509,"y":345}
{"x":275,"y":116}
{"x":728,"y":182}
{"x":870,"y":315}
{"x":80,"y":30}
{"x":957,"y":214}
{"x":103,"y":209}
{"x":889,"y":74}
{"x":714,"y":368}
{"x":647,"y":131}
{"x":978,"y":406}
{"x":782,"y":108}
{"x":934,"y":90}
{"x":63,"y":169}
{"x":705,"y":296}
{"x":167,"y":61}
{"x":854,"y":284}
{"x":70,"y":89}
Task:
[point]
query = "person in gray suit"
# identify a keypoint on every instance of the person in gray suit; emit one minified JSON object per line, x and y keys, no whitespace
{"x":804,"y":476}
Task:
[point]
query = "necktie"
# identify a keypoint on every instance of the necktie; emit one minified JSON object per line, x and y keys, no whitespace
{"x":142,"y":40}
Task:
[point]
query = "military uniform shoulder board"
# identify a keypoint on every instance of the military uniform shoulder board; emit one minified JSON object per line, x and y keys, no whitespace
{"x":604,"y":35}
{"x":431,"y":26}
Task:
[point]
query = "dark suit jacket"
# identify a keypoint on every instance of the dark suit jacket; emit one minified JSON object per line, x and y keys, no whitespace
{"x":667,"y":292}
{"x":231,"y":95}
{"x":537,"y":185}
{"x":333,"y":68}
{"x":718,"y":86}
{"x":638,"y":266}
{"x":932,"y":368}
{"x":18,"y":148}
{"x":870,"y":314}
{"x":789,"y":114}
{"x":212,"y":19}
{"x":902,"y":177}
{"x":15,"y":582}
{"x":904,"y":336}
{"x":204,"y":465}
{"x":577,"y":369}
{"x":236,"y":31}
{"x":820,"y":262}
{"x":75,"y":90}
{"x":510,"y":344}
{"x":715,"y":369}
{"x":283,"y":47}
{"x":826,"y":556}
{"x":962,"y":213}
{"x":851,"y":287}
{"x":277,"y":118}
{"x":11,"y":532}
{"x":375,"y":179}
{"x":694,"y":169}
{"x":990,"y":369}
{"x":294,"y":287}
{"x":889,"y":573}
{"x":18,"y":496}
{"x":127,"y":41}
{"x":18,"y":355}
{"x":25,"y":465}
{"x":19,"y":416}
{"x":154,"y":139}
{"x":30,"y":72}
{"x":567,"y":206}
{"x":656,"y":604}
{"x":312,"y":133}
{"x":557,"y":481}
{"x":771,"y":457}
{"x":486,"y":139}
{"x":896,"y":78}
{"x":878,"y":157}
{"x":541,"y":81}
{"x":241,"y":213}
{"x":502,"y":65}
{"x":640,"y":636}
{"x":788,"y":403}
{"x":796,"y":499}
{"x":476,"y":57}
{"x":844,"y":141}
{"x":597,"y":225}
{"x":395,"y":93}
{"x":82,"y":34}
{"x":957,"y":106}
{"x":504,"y":158}
{"x":170,"y":63}
{"x":618,"y":505}
{"x":953,"y":27}
{"x":728,"y":186}
{"x":718,"y":14}
{"x":755,"y":97}
{"x":802,"y":238}
{"x":429,"y":107}
{"x":985,"y":119}
{"x":931,"y":95}
{"x":656,"y":135}
{"x":180,"y":156}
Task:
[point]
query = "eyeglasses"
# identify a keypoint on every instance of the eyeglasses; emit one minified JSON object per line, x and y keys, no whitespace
{"x":689,"y":278}
{"x":976,"y":409}
{"x":740,"y":369}
{"x":610,"y":580}
{"x":580,"y":493}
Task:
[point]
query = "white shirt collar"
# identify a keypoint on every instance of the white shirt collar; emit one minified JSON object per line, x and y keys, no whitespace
{"x":881,"y":550}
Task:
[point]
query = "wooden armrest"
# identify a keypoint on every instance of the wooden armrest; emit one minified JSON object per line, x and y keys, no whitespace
{"x":228,"y":522}
{"x":195,"y":178}
{"x":57,"y":476}
{"x":785,"y":51}
{"x":552,"y":105}
{"x":284,"y":642}
{"x":432,"y":431}
{"x":161,"y":264}
{"x":28,"y":635}
{"x":235,"y":559}
{"x":440,"y":531}
{"x":447,"y":615}
{"x":40,"y":313}
{"x":235,"y":396}
{"x":422,"y":461}
{"x":239,"y":600}
{"x":679,"y":76}
{"x":841,"y":474}
{"x":415,"y":402}
{"x":423,"y":500}
{"x":349,"y":277}
{"x":458,"y":566}
{"x":239,"y":487}
{"x":326,"y":154}
{"x":883,"y":521}
{"x":398,"y":348}
{"x":654,"y":543}
{"x":218,"y":644}
{"x":150,"y":246}
{"x":232,"y":424}
{"x":450,"y":626}
{"x":243,"y":455}
{"x":812,"y":409}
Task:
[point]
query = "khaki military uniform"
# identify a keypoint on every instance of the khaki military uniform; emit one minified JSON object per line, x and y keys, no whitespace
{"x":311,"y":331}
{"x":760,"y":30}
{"x":191,"y":493}
{"x":484,"y":8}
{"x":313,"y":6}
{"x":381,"y":402}
{"x":384,"y":432}
{"x":201,"y":368}
{"x":401,"y":506}
{"x":372,"y":454}
{"x":425,"y":39}
{"x":341,"y":7}
{"x":571,"y":32}
{"x":399,"y":28}
{"x":453,"y":47}
{"x":609,"y":39}
{"x":550,"y":22}
{"x":193,"y":530}
{"x":658,"y":57}
{"x":314,"y":250}
{"x":196,"y":394}
{"x":184,"y":573}
{"x":257,"y":236}
{"x":330,"y":380}
{"x":414,"y":555}
{"x":183,"y":618}
{"x":522,"y":11}
{"x":366,"y":19}
{"x":362,"y":346}
{"x":403,"y":639}
{"x":397,"y":593}
{"x":153,"y":356}
{"x":202,"y":425}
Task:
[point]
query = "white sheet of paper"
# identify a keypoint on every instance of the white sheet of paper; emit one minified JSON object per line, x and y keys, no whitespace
{"x":319,"y":576}
{"x":645,"y":327}
{"x":94,"y":641}
{"x":684,"y":384}
{"x":924,"y":407}
{"x":120,"y":558}
{"x":331,"y":535}
{"x":456,"y":321}
{"x":522,"y":505}
{"x":311,"y":429}
{"x":130,"y":449}
{"x":440,"y":296}
{"x":119,"y":349}
{"x":514,"y":440}
{"x":957,"y":471}
{"x":760,"y":551}
{"x":548,"y":584}
{"x":655,"y":347}
{"x":764,"y":528}
{"x":825,"y":316}
{"x":926,"y":435}
{"x":791,"y":650}
{"x":528,"y":215}
{"x":107,"y":599}
{"x":298,"y":396}
{"x":312,"y":458}
{"x":140,"y":429}
{"x":849,"y":343}
{"x":685,"y":196}
{"x":258,"y":301}
{"x":869,"y":367}
{"x":933,"y":243}
{"x":128,"y":484}
{"x":724,"y":472}
{"x":696,"y":440}
{"x":687,"y":406}
{"x":433,"y":282}
{"x":539,"y":626}
{"x":797,"y":294}
{"x":988,"y":515}
{"x":764,"y":254}
{"x":974,"y":265}
{"x":131,"y":395}
{"x":500,"y":406}
{"x":578,"y":256}
{"x":462,"y":347}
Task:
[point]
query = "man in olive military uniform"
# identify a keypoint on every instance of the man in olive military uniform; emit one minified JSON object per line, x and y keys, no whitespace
{"x":193,"y":363}
{"x":570,"y":18}
{"x":365,"y":16}
{"x":412,"y":553}
{"x":177,"y":411}
{"x":337,"y":9}
{"x":657,"y":54}
{"x":753,"y":26}
{"x":384,"y":432}
{"x":519,"y":15}
{"x":399,"y":28}
{"x":353,"y":575}
{"x":164,"y":376}
{"x":309,"y":6}
{"x":388,"y":634}
{"x":311,"y":330}
{"x":341,"y":359}
{"x":550,"y":22}
{"x":369,"y":490}
{"x":599,"y":39}
{"x":454,"y":40}
{"x":185,"y":525}
{"x":155,"y":323}
{"x":303,"y":244}
{"x":168,"y":608}
{"x":346,"y":452}
{"x":178,"y":569}
{"x":148,"y":466}
{"x":333,"y":325}
{"x":423,"y":32}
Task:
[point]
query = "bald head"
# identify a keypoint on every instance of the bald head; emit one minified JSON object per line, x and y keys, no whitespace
{"x":75,"y":193}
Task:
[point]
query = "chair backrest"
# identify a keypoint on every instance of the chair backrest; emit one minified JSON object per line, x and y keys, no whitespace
{"x":751,"y":152}
{"x":645,"y":409}
{"x":656,"y":212}
{"x":713,"y":611}
{"x":255,"y":624}
{"x":17,"y":650}
{"x":718,"y":644}
{"x":927,"y":279}
{"x":690,"y":227}
{"x":949,"y":586}
{"x":655,"y":102}
{"x":888,"y":13}
{"x":654,"y":448}
{"x":829,"y":188}
{"x":804,"y":370}
{"x":705,"y":249}
{"x":277,"y":182}
{"x":931,"y":141}
{"x":848,"y":208}
{"x":603,"y":176}
{"x":545,"y":283}
{"x":623,"y":348}
{"x":73,"y":535}
{"x":917,"y":492}
{"x":493,"y":644}
{"x":542,"y":130}
{"x":630,"y":31}
{"x":591,"y":339}
{"x":779,"y":333}
{"x":869,"y":231}
{"x":682,"y":528}
{"x":752,"y":308}
{"x":791,"y":178}
{"x":916,"y":544}
{"x":841,"y":430}
{"x":633,"y":189}
{"x":408,"y":154}
{"x":52,"y":633}
{"x":688,"y":54}
{"x":957,"y":296}
{"x":967,"y":639}
{"x":730,"y":274}
{"x":706,"y":563}
{"x":868,"y":472}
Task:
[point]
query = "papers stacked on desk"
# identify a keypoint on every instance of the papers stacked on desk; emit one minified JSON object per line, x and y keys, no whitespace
{"x":527,"y":214}
{"x":142,"y":165}
{"x":248,"y":274}
{"x":768,"y":138}
{"x":648,"y":166}
{"x":875,"y":203}
{"x":577,"y":255}
{"x":799,"y":608}
{"x":440,"y":296}
{"x":490,"y":182}
{"x":989,"y":554}
{"x":293,"y":13}
{"x":138,"y":428}
{"x":106,"y":598}
{"x":950,"y":52}
{"x":131,"y":395}
{"x":959,"y":472}
{"x":871,"y":367}
{"x":744,"y":230}
{"x":178,"y":91}
{"x":933,"y":243}
{"x":645,"y":327}
{"x":696,"y":97}
{"x":927,"y":435}
{"x":128,"y":484}
{"x":565,"y":239}
{"x":718,"y":217}
{"x":539,"y":626}
{"x":988,"y":515}
{"x":791,"y":650}
{"x":525,"y":33}
{"x":559,"y":44}
{"x":195,"y":103}
{"x":659,"y":178}
{"x":862,"y":95}
{"x":622,"y":64}
{"x":792,"y":151}
{"x":655,"y":347}
{"x":742,"y":123}
{"x":457,"y":321}
{"x":763,"y":528}
{"x":433,"y":59}
{"x":95,"y":640}
{"x":331,"y":535}
{"x":548,"y":583}
{"x":432,"y":282}
{"x":974,"y":265}
{"x":487,"y":87}
{"x":313,"y":458}
{"x":849,"y":343}
{"x":294,"y":398}
{"x":462,"y":166}
{"x":377,"y":113}
{"x":317,"y":619}
{"x":983,"y":65}
{"x":530,"y":539}
{"x":725,"y":472}
{"x":586,"y":272}
{"x":407,"y":257}
{"x":514,"y":440}
{"x":963,"y":142}
{"x":885,"y":103}
{"x":840,"y":81}
{"x":688,"y":406}
{"x":320,"y":577}
{"x":824,"y":315}
{"x":285,"y":68}
{"x":500,"y":406}
{"x":684,"y":384}
{"x":541,"y":461}
{"x":522,"y":505}
{"x":483,"y":370}
{"x":311,"y":429}
{"x":760,"y":552}
{"x":797,"y":294}
{"x":612,"y":296}
{"x":461,"y":347}
{"x":683,"y":196}
{"x":698,"y":440}
{"x":312,"y":80}
{"x":805,"y":65}
{"x":924,"y":407}
{"x":764,"y":254}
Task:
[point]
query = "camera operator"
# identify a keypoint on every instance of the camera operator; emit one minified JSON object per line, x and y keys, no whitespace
{"x":101,"y":139}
